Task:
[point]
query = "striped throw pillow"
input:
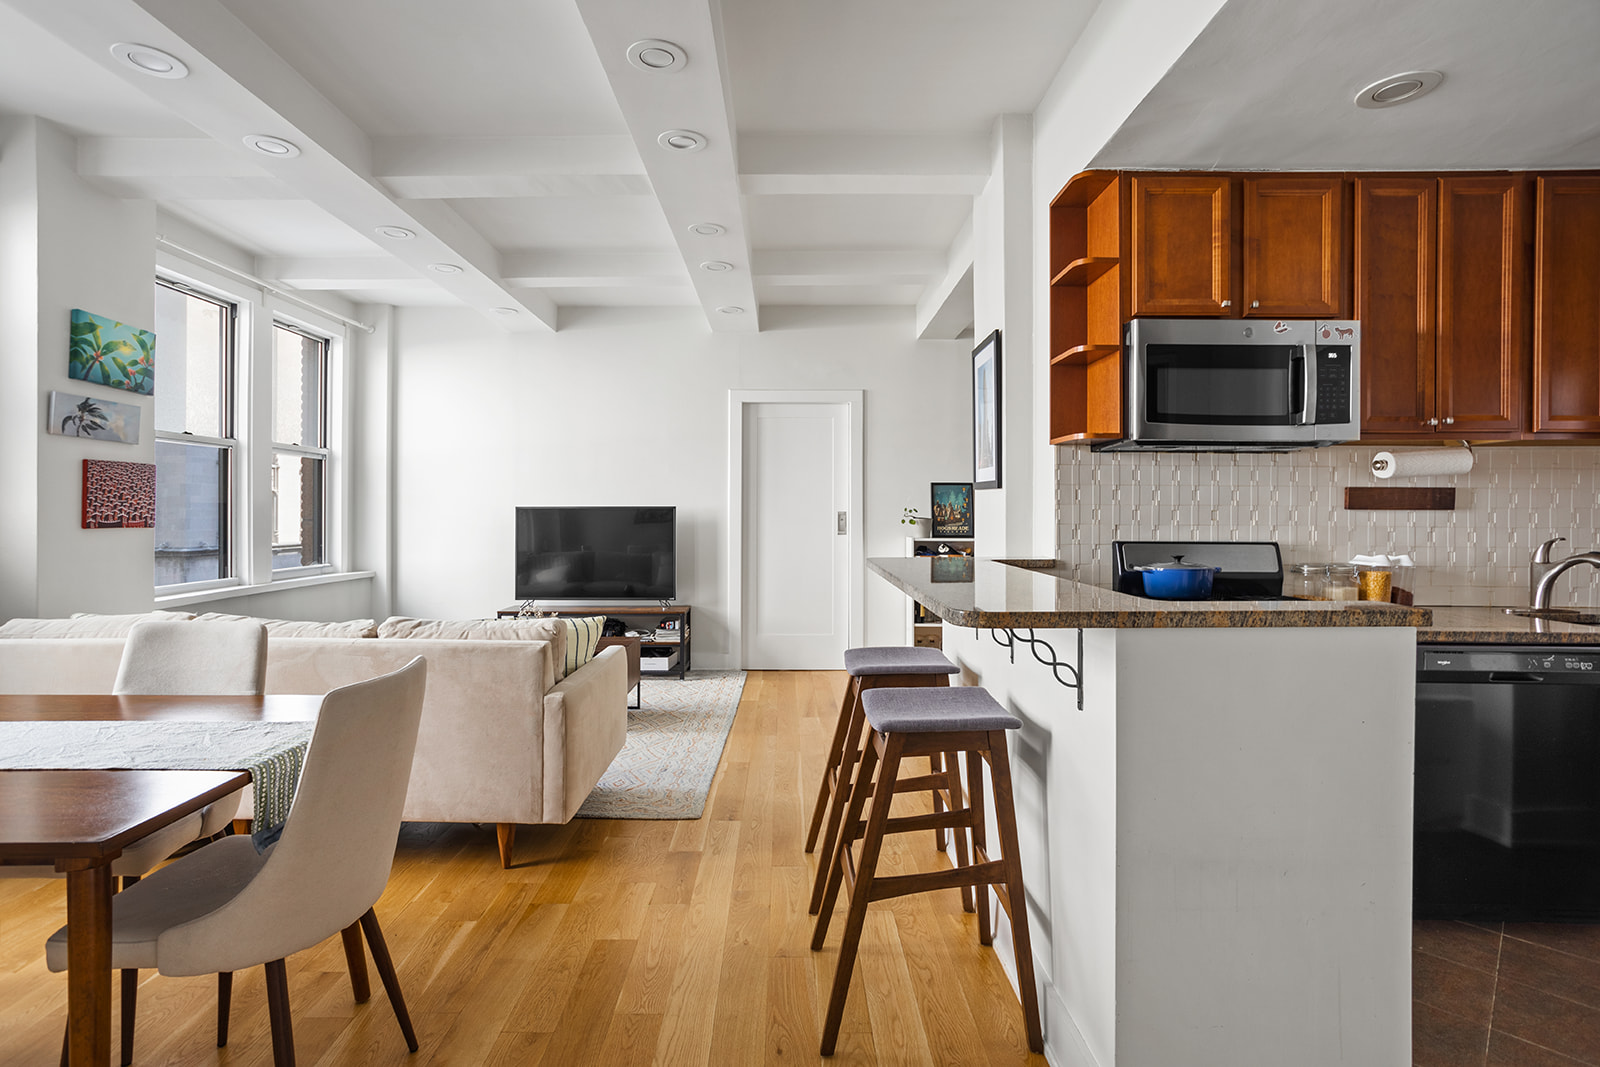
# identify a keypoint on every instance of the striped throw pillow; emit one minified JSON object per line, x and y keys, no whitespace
{"x":583,"y":640}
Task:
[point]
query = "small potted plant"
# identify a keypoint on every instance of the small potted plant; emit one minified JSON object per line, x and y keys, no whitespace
{"x":922,"y":525}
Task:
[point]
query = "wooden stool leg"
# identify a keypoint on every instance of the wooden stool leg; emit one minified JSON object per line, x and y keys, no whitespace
{"x":835,"y":755}
{"x":846,"y":773}
{"x":957,"y":800}
{"x":980,"y":843}
{"x":936,"y":765}
{"x":861,"y":892}
{"x":861,"y":789}
{"x":1016,"y":897}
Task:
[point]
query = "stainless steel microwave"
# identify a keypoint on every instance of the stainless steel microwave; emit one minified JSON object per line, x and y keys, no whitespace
{"x":1241,"y":385}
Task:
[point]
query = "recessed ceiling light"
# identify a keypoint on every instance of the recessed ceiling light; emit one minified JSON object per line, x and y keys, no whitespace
{"x":396,"y":233}
{"x":506,"y":311}
{"x":1398,"y":88}
{"x":731,"y":309}
{"x":716,"y":266}
{"x":151,"y":61}
{"x":444,"y":268}
{"x":707,"y":229}
{"x":656,"y":56}
{"x":272,"y":146}
{"x":682,"y":141}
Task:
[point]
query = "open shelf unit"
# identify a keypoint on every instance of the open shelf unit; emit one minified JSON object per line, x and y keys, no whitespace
{"x":924,"y":628}
{"x":1086,"y":302}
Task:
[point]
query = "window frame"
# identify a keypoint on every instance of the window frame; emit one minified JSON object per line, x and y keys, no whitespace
{"x":256,"y":313}
{"x":323,"y":452}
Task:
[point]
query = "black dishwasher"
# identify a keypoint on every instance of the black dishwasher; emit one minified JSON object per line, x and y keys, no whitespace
{"x":1507,"y":803}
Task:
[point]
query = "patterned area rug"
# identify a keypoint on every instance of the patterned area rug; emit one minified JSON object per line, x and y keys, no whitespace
{"x":675,"y":741}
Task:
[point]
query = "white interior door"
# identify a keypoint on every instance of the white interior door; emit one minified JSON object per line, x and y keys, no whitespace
{"x":796,"y":559}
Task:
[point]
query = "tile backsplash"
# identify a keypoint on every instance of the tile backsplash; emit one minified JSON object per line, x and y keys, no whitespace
{"x":1512,"y":499}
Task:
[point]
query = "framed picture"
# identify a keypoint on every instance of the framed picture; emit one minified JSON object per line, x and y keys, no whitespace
{"x":118,"y":495}
{"x":951,"y":569}
{"x":107,"y":352}
{"x":986,"y":413}
{"x":952,"y":509}
{"x":73,"y":415}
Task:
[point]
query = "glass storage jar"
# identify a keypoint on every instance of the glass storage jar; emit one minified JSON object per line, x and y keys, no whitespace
{"x":1306,"y":581}
{"x":1376,"y":583}
{"x":1341,"y":582}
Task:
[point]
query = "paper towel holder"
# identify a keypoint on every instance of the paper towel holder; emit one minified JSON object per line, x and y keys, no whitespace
{"x":1379,"y":465}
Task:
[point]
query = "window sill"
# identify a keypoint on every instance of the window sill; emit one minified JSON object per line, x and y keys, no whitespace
{"x":230,"y":592}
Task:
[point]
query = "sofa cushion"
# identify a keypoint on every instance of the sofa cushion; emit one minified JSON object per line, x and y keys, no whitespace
{"x":541,"y":629}
{"x":583,"y":641}
{"x":300,"y":627}
{"x":84,"y":624}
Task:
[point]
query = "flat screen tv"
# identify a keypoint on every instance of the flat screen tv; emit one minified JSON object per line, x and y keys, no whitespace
{"x":597,"y":553}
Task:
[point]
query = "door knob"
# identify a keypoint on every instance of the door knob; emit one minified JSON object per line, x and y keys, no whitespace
{"x":1449,"y":420}
{"x":1227,"y":303}
{"x":1433,"y":422}
{"x":1255,"y":303}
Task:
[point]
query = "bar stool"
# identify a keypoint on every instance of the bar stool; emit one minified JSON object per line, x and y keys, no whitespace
{"x":908,"y":722}
{"x":878,"y":666}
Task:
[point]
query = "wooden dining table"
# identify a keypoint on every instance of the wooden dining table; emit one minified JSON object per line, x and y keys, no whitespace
{"x":79,"y":821}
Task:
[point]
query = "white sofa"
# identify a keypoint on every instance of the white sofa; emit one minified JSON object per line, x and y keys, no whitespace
{"x":503,"y":739}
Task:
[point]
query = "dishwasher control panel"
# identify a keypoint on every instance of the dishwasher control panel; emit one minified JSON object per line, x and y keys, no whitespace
{"x":1550,"y":662}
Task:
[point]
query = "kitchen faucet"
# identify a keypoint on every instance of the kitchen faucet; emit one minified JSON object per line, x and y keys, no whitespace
{"x":1541,"y":592}
{"x":1540,"y":565}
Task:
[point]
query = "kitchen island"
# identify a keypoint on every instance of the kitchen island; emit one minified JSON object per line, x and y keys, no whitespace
{"x":1215,"y":828}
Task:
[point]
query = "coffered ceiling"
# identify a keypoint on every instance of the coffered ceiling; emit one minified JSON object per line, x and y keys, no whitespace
{"x":834,"y":146}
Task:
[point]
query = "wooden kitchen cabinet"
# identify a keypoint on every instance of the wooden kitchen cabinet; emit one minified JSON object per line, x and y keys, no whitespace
{"x":1182,"y":244}
{"x":1440,"y":285}
{"x":1566,"y":305}
{"x":1293,"y":248}
{"x":1086,"y":302}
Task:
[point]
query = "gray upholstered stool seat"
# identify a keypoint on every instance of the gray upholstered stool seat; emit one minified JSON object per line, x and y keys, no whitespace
{"x":896,"y":659}
{"x":916,"y":711}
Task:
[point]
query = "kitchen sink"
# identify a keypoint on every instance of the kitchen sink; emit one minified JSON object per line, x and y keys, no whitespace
{"x":1576,"y":615}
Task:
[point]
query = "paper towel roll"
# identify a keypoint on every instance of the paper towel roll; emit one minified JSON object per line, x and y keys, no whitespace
{"x":1422,"y":462}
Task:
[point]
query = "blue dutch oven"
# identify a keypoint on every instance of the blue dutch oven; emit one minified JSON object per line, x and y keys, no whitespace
{"x":1178,"y":580}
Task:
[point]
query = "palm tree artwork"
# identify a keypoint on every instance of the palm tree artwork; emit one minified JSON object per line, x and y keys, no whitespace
{"x":87,"y":418}
{"x":112,"y":353}
{"x":76,"y":415}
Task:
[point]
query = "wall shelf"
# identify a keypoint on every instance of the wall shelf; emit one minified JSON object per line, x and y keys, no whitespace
{"x":1087,"y":283}
{"x":1086,"y":354}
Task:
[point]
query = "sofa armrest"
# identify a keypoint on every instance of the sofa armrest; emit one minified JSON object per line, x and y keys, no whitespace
{"x":585,"y":725}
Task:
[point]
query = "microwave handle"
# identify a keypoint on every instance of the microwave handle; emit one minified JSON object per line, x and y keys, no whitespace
{"x":1308,"y":385}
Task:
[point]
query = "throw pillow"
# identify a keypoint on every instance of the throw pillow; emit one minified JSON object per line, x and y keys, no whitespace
{"x":84,"y":624}
{"x":583,"y":640}
{"x":300,"y":627}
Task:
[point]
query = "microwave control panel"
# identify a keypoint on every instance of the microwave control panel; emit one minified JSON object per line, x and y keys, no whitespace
{"x":1333,"y":383}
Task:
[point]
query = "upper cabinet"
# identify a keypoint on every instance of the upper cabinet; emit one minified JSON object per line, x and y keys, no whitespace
{"x":1397,"y":225}
{"x":1261,"y":246}
{"x":1182,"y":244}
{"x":1566,"y":306}
{"x":1294,"y":248}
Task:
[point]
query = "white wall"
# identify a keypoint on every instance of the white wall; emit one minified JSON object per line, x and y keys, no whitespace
{"x":630,"y":407}
{"x":82,"y":249}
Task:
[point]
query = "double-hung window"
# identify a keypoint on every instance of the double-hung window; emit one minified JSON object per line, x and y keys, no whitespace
{"x":299,"y":447}
{"x":196,"y":448}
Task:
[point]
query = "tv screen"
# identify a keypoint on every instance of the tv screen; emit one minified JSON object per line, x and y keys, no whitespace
{"x":597,"y":553}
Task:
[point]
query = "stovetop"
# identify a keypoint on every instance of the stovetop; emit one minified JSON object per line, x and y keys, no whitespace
{"x":1251,"y":570}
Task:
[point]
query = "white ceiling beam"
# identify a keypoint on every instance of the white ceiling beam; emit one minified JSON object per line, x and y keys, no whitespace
{"x":790,"y":164}
{"x":568,"y":270}
{"x":366,"y":272}
{"x":691,"y":187}
{"x":467,"y":167}
{"x":821,"y":267}
{"x":238,"y":86}
{"x":944,"y":311}
{"x":174,"y":168}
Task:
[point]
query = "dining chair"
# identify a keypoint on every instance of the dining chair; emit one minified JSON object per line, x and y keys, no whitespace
{"x":226,"y":906}
{"x":177,"y":657}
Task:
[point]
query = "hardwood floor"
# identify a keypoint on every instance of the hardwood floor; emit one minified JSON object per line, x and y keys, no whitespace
{"x":611,"y":942}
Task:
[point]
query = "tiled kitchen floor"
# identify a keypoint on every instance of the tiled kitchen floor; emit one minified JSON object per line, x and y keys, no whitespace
{"x":1505,"y":995}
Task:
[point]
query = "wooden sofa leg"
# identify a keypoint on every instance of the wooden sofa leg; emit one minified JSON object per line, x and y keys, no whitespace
{"x":507,"y":834}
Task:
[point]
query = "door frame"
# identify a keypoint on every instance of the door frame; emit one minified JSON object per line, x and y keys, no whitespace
{"x":855,"y":566}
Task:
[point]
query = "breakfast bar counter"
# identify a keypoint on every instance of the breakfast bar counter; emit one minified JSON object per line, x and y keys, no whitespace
{"x":1214,"y":807}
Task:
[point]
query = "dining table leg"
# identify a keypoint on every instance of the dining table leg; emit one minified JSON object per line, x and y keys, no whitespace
{"x":89,"y":964}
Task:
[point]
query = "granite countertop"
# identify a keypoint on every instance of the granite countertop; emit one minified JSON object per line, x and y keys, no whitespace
{"x":1492,"y":626}
{"x":1042,"y":594}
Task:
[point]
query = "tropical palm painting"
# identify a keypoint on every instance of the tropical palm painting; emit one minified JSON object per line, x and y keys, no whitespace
{"x":86,"y":416}
{"x":112,"y":353}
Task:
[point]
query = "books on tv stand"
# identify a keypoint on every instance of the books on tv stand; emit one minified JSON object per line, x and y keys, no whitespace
{"x":668,"y":629}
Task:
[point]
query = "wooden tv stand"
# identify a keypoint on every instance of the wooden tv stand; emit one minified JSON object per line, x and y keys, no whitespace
{"x":653,"y":614}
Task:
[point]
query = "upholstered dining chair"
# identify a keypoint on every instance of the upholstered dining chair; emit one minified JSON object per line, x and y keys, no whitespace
{"x":226,"y":906}
{"x":176,"y":657}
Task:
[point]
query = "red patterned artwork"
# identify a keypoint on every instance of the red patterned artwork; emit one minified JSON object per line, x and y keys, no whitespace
{"x":118,"y":494}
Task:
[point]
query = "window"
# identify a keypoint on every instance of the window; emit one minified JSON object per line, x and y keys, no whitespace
{"x":195,"y":443}
{"x":248,"y":438}
{"x":299,"y":447}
